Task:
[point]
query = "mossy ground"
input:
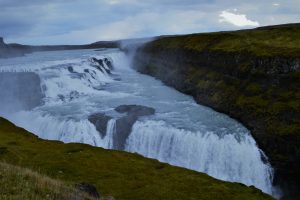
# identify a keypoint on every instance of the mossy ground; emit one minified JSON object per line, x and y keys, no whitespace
{"x":118,"y":174}
{"x":271,"y":41}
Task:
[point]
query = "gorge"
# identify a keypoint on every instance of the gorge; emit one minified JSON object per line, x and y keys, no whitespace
{"x":96,"y":98}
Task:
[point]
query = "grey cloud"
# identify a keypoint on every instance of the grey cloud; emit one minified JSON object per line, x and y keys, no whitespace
{"x":77,"y":21}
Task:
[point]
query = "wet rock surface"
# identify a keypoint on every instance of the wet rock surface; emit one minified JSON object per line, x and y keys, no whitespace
{"x":123,"y":124}
{"x":104,"y":65}
{"x":135,"y":110}
{"x":100,"y":121}
{"x":2,"y":44}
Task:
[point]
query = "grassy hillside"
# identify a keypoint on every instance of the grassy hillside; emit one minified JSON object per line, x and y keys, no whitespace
{"x":21,"y":183}
{"x":281,"y":40}
{"x":119,"y":174}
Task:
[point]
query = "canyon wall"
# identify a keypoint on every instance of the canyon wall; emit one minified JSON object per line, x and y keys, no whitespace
{"x":251,"y":75}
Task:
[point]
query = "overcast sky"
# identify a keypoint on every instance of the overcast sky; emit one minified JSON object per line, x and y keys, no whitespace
{"x":86,"y":21}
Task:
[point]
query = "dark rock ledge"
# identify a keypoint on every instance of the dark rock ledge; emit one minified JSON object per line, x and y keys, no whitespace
{"x":123,"y":124}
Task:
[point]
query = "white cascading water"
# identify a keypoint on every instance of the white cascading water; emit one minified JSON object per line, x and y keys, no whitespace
{"x":111,"y":130}
{"x":181,"y":132}
{"x":218,"y":156}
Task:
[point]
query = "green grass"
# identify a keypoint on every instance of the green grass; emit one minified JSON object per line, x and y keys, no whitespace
{"x":21,"y":183}
{"x":272,"y":41}
{"x":122,"y":175}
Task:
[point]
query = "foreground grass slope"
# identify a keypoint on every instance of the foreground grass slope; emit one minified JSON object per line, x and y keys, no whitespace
{"x":21,"y":183}
{"x":282,"y":40}
{"x":118,"y":174}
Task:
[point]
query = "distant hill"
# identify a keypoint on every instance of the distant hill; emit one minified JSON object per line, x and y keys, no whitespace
{"x":15,"y":50}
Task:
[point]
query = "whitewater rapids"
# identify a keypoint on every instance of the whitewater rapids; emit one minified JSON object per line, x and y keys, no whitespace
{"x":181,"y":132}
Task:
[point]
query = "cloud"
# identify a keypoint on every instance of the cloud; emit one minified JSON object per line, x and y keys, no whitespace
{"x":236,"y":19}
{"x":77,"y":21}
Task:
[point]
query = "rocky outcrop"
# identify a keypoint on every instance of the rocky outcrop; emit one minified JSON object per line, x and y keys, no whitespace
{"x":100,"y":121}
{"x":6,"y":51}
{"x":123,"y":124}
{"x":2,"y":44}
{"x":88,"y":189}
{"x":20,"y":91}
{"x":103,"y":65}
{"x":135,"y":111}
{"x":260,"y":89}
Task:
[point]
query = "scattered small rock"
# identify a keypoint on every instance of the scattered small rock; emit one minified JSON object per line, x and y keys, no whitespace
{"x":70,"y":69}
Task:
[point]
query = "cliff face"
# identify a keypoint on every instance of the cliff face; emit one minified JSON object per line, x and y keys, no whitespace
{"x":7,"y":51}
{"x":253,"y":76}
{"x":2,"y":44}
{"x":16,"y":50}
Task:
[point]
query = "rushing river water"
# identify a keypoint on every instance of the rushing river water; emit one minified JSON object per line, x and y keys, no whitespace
{"x":180,"y":132}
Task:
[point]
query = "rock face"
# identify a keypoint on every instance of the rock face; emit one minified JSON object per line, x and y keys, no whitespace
{"x":20,"y":91}
{"x":123,"y":124}
{"x":262,"y":90}
{"x":100,"y":121}
{"x":135,"y":110}
{"x":3,"y":48}
{"x":88,"y":189}
{"x":2,"y":44}
{"x":99,"y":64}
{"x":7,"y":51}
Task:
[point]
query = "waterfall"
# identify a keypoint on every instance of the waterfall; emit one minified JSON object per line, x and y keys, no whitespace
{"x":224,"y":157}
{"x":58,"y":128}
{"x":110,"y":131}
{"x":182,"y":133}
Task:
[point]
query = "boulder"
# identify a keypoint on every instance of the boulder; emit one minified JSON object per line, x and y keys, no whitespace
{"x":135,"y":110}
{"x":108,"y":63}
{"x":70,"y":69}
{"x":99,"y":64}
{"x":2,"y":44}
{"x":88,"y":189}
